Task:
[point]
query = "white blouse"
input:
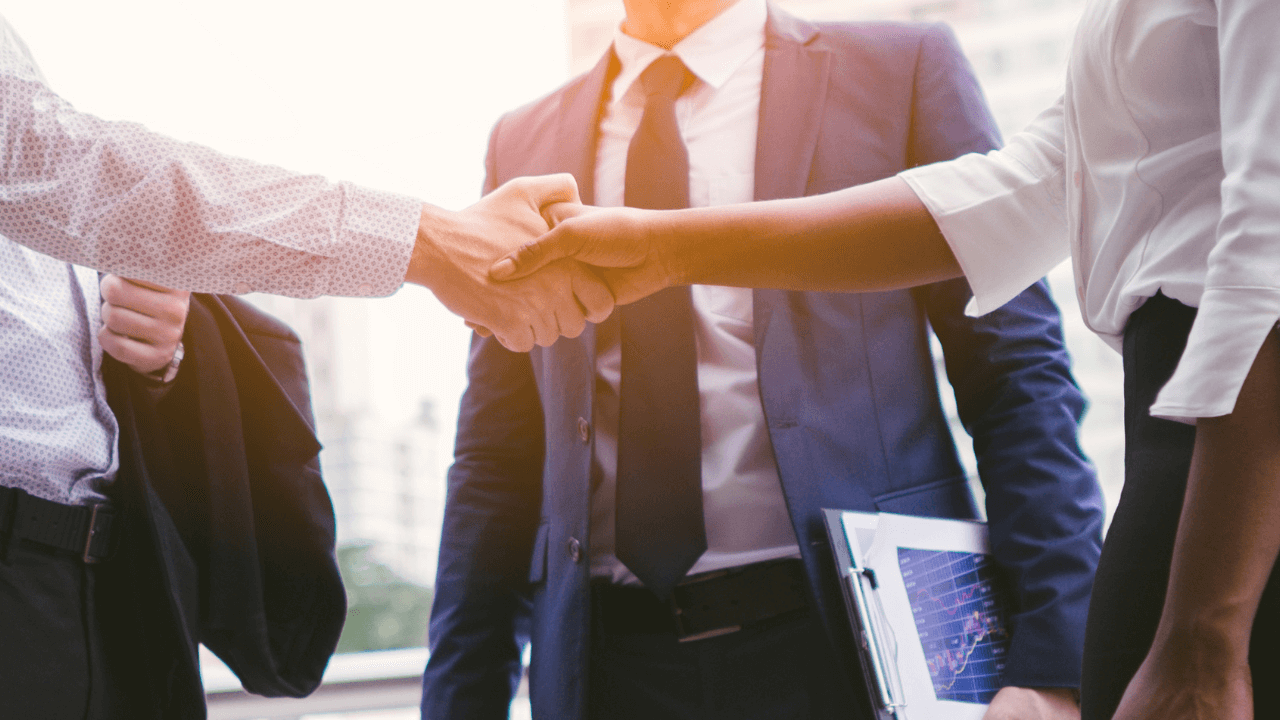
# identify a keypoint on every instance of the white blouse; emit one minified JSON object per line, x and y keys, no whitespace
{"x":1157,"y":170}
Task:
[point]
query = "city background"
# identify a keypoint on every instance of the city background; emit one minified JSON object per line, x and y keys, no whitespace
{"x":400,"y":95}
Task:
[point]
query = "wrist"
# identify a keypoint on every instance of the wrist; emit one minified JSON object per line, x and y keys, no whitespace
{"x":1204,"y":639}
{"x":425,"y":260}
{"x":676,"y":262}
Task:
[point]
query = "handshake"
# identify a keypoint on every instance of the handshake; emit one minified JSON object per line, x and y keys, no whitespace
{"x":529,"y":263}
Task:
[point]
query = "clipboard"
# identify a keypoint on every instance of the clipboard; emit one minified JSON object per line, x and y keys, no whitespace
{"x":929,"y":610}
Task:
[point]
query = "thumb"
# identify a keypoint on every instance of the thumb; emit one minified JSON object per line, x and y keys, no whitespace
{"x":480,"y":330}
{"x":544,"y":190}
{"x":557,"y":213}
{"x":531,"y":257}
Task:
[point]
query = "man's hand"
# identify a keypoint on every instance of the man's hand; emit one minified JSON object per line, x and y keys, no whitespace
{"x":454,"y":251}
{"x":1015,"y":703}
{"x":618,"y":241}
{"x":142,"y":324}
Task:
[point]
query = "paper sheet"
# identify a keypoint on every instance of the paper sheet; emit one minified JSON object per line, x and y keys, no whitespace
{"x":943,"y":606}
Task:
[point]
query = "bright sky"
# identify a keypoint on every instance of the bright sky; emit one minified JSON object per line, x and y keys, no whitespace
{"x":395,"y":94}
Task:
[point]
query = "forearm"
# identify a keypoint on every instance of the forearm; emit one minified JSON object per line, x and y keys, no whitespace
{"x":1229,"y":533}
{"x":117,"y":197}
{"x":813,"y":243}
{"x":1015,"y":394}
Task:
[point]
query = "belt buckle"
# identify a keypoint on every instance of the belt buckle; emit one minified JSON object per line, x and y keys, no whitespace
{"x":684,"y":632}
{"x":88,"y":537}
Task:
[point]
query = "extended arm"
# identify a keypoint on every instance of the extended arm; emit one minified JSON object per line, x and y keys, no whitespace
{"x":813,"y":243}
{"x":119,"y":198}
{"x":997,"y":217}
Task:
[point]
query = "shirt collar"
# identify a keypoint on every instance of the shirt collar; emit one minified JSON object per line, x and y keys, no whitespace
{"x":713,"y":52}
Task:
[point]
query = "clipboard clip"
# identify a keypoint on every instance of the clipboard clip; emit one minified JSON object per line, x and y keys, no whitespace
{"x":878,"y":639}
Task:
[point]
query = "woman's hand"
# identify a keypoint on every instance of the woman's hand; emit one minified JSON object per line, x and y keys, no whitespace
{"x":1182,"y":680}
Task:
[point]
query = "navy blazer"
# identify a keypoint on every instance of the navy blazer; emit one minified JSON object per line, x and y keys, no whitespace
{"x":847,"y":382}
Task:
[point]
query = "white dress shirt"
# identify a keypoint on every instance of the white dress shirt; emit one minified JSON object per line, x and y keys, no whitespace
{"x":746,"y":514}
{"x":118,"y":197}
{"x":1158,"y":170}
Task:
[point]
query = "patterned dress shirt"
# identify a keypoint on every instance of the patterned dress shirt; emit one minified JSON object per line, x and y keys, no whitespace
{"x":117,"y":197}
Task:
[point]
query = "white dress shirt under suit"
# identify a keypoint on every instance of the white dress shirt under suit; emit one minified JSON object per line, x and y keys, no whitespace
{"x":745,"y":512}
{"x":1158,"y":170}
{"x":112,"y":195}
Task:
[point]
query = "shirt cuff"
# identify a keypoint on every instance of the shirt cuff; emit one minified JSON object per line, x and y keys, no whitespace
{"x":1004,"y":229}
{"x":1225,"y":338}
{"x":376,"y":237}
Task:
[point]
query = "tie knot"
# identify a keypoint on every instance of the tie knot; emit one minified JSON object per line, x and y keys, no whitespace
{"x":666,"y":76}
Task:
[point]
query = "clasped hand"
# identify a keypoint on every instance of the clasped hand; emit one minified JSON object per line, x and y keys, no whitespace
{"x":454,"y":252}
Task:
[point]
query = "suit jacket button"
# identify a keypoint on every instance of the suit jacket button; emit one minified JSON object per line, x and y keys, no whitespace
{"x":584,"y":430}
{"x":575,"y":550}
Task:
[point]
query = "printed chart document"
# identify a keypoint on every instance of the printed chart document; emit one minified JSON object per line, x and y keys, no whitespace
{"x":929,"y":611}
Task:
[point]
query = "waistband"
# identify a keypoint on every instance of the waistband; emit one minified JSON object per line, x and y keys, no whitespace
{"x":84,"y":530}
{"x":706,"y":605}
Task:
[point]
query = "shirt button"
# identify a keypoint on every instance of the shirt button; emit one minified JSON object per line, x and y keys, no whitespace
{"x":241,"y":288}
{"x":575,"y":550}
{"x":365,"y":289}
{"x":584,"y":429}
{"x":1076,"y":178}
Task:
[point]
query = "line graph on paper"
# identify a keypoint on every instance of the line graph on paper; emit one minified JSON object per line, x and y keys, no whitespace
{"x":960,"y":607}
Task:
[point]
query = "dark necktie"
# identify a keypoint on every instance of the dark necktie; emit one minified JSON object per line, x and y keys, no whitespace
{"x":659,"y":527}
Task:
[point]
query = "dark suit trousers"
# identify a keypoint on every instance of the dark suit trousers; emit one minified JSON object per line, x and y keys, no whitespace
{"x":59,"y":656}
{"x":777,"y":669}
{"x":1133,"y":572}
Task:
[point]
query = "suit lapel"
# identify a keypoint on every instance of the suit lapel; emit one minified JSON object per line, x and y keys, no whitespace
{"x":792,"y":96}
{"x":577,"y":133}
{"x":579,"y":124}
{"x":793,"y":93}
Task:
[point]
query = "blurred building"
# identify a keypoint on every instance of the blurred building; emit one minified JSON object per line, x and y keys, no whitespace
{"x":1018,"y":49}
{"x":384,"y":473}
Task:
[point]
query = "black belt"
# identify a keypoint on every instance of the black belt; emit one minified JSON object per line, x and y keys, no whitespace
{"x":705,"y":605}
{"x":84,"y":530}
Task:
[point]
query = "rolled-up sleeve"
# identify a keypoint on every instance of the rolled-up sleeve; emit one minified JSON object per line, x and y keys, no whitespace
{"x":1002,"y":212}
{"x":1241,"y":300}
{"x":119,"y":198}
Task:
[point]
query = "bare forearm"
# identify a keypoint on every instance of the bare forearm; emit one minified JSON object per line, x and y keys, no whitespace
{"x":871,"y":237}
{"x":866,"y":238}
{"x":1229,"y":533}
{"x":1227,"y":541}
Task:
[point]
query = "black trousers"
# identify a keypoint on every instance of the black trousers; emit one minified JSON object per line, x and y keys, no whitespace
{"x":64,"y":655}
{"x":1133,"y":572}
{"x":778,"y":669}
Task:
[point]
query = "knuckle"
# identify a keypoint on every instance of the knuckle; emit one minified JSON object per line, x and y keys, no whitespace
{"x":111,"y":315}
{"x":574,"y":327}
